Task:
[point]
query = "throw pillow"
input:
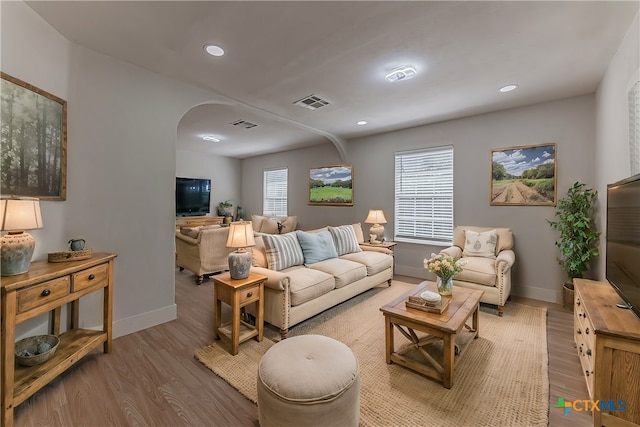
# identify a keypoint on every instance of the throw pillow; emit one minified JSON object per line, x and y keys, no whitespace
{"x":480,"y":244}
{"x":289,"y":223}
{"x":344,"y":239}
{"x":259,"y":253}
{"x":357,"y":229}
{"x":316,"y":247}
{"x":282,"y":250}
{"x":190,"y":231}
{"x":269,"y":226}
{"x":256,"y":222}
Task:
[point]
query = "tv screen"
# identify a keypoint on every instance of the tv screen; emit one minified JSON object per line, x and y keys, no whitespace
{"x":193,"y":196}
{"x":623,"y":240}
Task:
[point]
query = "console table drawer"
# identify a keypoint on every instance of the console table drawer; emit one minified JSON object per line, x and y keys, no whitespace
{"x":90,"y":277}
{"x":43,"y":293}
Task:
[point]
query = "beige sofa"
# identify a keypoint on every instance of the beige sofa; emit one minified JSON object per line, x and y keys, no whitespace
{"x":488,"y":272}
{"x":202,"y":250}
{"x":298,"y":292}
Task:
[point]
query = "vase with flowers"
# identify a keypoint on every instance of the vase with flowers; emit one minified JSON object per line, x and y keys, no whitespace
{"x":444,"y":267}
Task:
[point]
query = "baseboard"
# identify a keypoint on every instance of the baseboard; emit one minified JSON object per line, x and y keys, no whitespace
{"x":146,"y":320}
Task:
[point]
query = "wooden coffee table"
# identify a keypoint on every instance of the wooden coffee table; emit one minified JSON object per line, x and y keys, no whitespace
{"x":464,"y":304}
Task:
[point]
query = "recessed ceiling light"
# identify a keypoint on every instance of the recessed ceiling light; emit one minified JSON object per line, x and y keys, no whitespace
{"x":361,"y":123}
{"x":508,"y":88}
{"x":403,"y":72}
{"x":213,"y":50}
{"x":210,"y":138}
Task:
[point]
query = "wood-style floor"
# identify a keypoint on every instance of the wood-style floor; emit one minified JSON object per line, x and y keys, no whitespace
{"x":152,"y":379}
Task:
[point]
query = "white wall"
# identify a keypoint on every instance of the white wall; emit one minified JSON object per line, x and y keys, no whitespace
{"x":612,"y":121}
{"x":569,"y":123}
{"x":121,"y":165}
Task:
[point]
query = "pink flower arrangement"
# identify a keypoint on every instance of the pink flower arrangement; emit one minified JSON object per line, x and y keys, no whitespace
{"x":444,"y":266}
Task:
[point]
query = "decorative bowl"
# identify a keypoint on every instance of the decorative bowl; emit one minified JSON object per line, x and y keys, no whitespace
{"x":431,"y":297}
{"x":32,"y":351}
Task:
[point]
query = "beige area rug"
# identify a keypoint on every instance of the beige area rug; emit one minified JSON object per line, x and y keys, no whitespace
{"x":501,"y":379}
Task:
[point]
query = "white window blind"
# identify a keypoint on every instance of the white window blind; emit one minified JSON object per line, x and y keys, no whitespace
{"x":274,"y":192}
{"x":424,"y":196}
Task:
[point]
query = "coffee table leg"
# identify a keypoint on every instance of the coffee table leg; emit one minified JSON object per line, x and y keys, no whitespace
{"x":475,"y":321}
{"x":388,"y":333}
{"x":449,"y":355}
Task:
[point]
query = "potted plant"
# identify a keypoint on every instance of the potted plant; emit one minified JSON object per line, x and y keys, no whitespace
{"x":578,"y":237}
{"x":225,"y":209}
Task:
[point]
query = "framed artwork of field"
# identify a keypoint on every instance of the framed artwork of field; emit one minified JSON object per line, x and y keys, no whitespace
{"x":331,"y":185}
{"x":33,"y":141}
{"x":524,"y":176}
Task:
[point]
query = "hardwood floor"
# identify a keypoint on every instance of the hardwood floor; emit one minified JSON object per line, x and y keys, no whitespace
{"x":152,"y":379}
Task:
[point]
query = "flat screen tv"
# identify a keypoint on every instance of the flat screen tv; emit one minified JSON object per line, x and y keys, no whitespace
{"x":623,"y":240}
{"x":193,"y":196}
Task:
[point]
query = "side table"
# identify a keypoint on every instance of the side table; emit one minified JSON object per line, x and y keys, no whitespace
{"x":237,"y":294}
{"x":386,"y":245}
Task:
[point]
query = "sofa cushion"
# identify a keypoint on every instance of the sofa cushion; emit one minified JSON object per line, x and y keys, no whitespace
{"x":478,"y":270}
{"x":357,"y":229}
{"x":316,"y":247}
{"x":259,"y":252}
{"x":375,"y":262}
{"x":190,"y":231}
{"x":308,"y":284}
{"x":282,"y":251}
{"x":344,"y":239}
{"x":343,"y":271}
{"x":480,"y":244}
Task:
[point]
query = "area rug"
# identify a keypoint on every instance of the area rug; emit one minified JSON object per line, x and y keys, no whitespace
{"x":501,"y":379}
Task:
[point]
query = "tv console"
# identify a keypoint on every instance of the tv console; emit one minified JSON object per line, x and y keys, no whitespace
{"x":197,"y":221}
{"x":608,"y":341}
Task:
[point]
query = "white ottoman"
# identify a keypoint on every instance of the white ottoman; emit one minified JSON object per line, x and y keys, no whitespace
{"x":309,"y":380}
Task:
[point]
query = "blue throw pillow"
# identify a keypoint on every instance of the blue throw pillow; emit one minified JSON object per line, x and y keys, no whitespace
{"x":316,"y":247}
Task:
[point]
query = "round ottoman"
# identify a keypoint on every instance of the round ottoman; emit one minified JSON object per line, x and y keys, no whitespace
{"x":309,"y":380}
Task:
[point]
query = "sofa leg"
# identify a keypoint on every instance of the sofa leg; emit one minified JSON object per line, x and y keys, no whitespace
{"x":199,"y":280}
{"x":181,"y":268}
{"x":284,"y":333}
{"x":500,"y":310}
{"x":389,"y":282}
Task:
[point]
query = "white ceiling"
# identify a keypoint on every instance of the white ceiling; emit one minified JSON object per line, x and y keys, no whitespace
{"x":280,"y":52}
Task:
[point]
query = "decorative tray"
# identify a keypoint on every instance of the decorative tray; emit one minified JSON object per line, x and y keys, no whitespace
{"x":424,"y":305}
{"x":70,"y":255}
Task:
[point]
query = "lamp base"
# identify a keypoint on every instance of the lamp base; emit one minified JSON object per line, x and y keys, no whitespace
{"x":239,"y":264}
{"x":17,"y":250}
{"x":378,"y":231}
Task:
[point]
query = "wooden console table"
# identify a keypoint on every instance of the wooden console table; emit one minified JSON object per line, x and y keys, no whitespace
{"x":45,"y":288}
{"x":608,"y":343}
{"x":197,"y":221}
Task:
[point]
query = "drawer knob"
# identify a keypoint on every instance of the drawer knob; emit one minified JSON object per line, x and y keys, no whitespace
{"x":45,"y":293}
{"x":249,"y":294}
{"x":92,"y":276}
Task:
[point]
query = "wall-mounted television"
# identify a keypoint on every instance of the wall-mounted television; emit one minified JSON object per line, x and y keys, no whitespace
{"x":193,"y":196}
{"x":623,"y":240}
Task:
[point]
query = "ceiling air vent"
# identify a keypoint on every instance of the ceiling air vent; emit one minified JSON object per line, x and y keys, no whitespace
{"x":312,"y":102}
{"x":244,"y":124}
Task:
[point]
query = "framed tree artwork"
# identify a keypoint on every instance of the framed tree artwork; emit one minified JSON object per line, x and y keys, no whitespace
{"x":33,"y":155}
{"x":524,"y":176}
{"x":331,"y":185}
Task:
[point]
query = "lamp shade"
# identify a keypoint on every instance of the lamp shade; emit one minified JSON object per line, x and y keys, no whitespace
{"x":240,"y":235}
{"x":21,"y":213}
{"x":376,"y":216}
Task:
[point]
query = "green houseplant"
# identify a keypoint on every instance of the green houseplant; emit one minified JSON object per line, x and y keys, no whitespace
{"x":578,"y":238}
{"x":225,"y":209}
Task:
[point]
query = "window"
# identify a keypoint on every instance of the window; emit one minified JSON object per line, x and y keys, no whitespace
{"x":424,"y":196}
{"x":274,"y":192}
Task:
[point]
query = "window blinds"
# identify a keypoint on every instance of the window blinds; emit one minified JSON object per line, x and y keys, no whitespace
{"x":424,"y":195}
{"x":274,"y":192}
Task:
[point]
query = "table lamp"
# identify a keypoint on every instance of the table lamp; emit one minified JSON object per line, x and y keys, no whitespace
{"x":240,"y":237}
{"x":376,"y":217}
{"x":16,"y":215}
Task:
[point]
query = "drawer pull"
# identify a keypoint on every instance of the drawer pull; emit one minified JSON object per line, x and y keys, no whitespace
{"x":92,"y":276}
{"x":45,"y":293}
{"x":249,"y":294}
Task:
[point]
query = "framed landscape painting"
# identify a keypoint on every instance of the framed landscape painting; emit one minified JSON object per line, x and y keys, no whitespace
{"x":331,"y":185}
{"x":33,"y":144}
{"x":524,"y":176}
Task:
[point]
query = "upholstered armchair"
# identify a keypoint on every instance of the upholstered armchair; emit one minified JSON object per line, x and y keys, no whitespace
{"x":488,"y":256}
{"x":202,"y":250}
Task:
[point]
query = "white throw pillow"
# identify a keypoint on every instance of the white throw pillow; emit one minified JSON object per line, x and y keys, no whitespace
{"x":282,"y":250}
{"x":480,"y":244}
{"x":344,"y":239}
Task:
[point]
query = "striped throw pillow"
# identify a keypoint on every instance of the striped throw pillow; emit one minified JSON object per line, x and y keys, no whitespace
{"x":344,"y":239}
{"x":283,"y":251}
